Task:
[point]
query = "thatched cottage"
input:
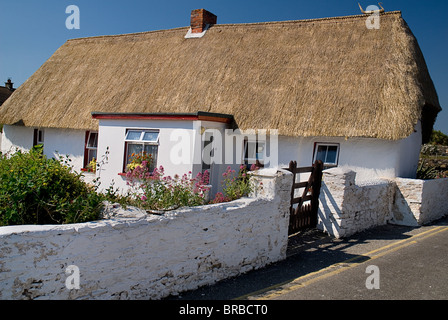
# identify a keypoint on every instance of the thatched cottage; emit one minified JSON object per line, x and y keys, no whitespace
{"x":330,"y":89}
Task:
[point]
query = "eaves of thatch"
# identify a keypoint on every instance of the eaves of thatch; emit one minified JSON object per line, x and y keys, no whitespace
{"x":321,"y":77}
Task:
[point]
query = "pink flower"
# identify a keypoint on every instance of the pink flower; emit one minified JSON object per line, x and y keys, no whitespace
{"x":143,"y":198}
{"x":253,"y":167}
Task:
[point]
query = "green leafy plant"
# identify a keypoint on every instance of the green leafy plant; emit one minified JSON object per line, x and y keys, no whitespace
{"x":438,"y":138}
{"x":38,"y":190}
{"x":425,"y":172}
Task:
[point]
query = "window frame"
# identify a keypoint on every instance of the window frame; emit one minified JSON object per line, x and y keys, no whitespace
{"x":140,"y":141}
{"x":88,"y":149}
{"x":38,"y":137}
{"x":327,"y":144}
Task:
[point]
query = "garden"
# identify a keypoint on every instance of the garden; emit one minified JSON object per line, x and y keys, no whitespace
{"x":35,"y":189}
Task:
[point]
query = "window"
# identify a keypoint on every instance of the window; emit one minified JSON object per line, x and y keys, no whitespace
{"x":254,"y":152}
{"x":90,"y":150}
{"x":140,"y":142}
{"x":38,"y":137}
{"x":328,"y":153}
{"x":91,"y":147}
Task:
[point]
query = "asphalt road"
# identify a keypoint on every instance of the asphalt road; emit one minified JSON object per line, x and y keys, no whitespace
{"x":405,"y":263}
{"x":412,"y":269}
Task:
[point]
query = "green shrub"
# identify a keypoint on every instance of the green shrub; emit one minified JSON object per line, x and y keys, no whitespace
{"x":425,"y":172}
{"x":439,"y":138}
{"x":38,"y":190}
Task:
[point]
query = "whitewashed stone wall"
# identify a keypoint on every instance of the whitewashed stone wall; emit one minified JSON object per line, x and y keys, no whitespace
{"x":347,"y":207}
{"x":418,"y":202}
{"x":150,"y":257}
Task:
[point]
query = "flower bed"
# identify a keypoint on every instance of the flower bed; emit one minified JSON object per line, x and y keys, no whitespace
{"x":153,"y":190}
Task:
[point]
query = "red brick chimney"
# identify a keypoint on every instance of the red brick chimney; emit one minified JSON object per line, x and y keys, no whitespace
{"x":200,"y":18}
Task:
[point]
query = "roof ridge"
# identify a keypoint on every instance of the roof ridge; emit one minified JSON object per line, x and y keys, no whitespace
{"x":248,"y":24}
{"x":310,"y":20}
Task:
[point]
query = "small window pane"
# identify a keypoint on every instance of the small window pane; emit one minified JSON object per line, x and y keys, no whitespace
{"x":91,"y":155}
{"x":40,"y":136}
{"x":254,"y":151}
{"x":152,"y":150}
{"x":321,"y":153}
{"x":133,"y":135}
{"x":260,"y":151}
{"x":140,"y":149}
{"x":93,"y":140}
{"x":251,"y":152}
{"x":150,"y":136}
{"x":133,"y":149}
{"x":331,"y":154}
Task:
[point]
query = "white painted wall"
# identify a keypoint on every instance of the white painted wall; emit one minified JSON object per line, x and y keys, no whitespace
{"x":369,"y":158}
{"x":56,"y":142}
{"x":347,"y":207}
{"x":409,"y":153}
{"x":65,"y":142}
{"x":219,"y":165}
{"x":178,"y":140}
{"x":150,"y":257}
{"x":418,"y":202}
{"x":16,"y":137}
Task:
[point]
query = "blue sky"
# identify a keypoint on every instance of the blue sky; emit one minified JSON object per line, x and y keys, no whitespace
{"x":31,"y":31}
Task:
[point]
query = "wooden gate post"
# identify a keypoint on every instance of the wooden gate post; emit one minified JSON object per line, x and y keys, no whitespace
{"x":305,"y":215}
{"x":292,"y":168}
{"x":318,"y":167}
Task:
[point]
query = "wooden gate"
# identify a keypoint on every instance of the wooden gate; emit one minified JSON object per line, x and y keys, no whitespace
{"x":304,"y":215}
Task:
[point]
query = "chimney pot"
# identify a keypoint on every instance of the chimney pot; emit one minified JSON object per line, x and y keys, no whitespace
{"x":9,"y":85}
{"x":200,"y":19}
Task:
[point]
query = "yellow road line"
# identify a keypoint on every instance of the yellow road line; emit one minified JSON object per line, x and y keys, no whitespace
{"x":342,"y":266}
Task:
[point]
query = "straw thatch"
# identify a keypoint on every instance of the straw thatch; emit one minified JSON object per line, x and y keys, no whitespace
{"x":322,"y":77}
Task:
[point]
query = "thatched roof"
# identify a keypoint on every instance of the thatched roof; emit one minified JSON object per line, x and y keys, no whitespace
{"x":321,"y":77}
